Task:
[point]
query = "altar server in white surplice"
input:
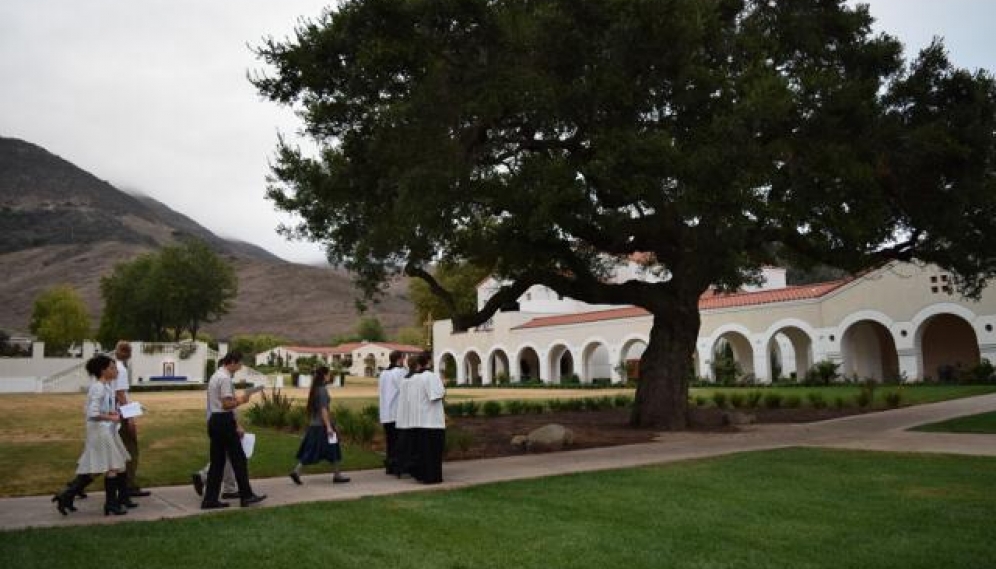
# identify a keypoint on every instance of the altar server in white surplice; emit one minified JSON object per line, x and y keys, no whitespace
{"x":408,"y":423}
{"x":431,"y":392}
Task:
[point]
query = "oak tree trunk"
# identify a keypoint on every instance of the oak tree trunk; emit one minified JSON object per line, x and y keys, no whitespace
{"x":666,"y":365}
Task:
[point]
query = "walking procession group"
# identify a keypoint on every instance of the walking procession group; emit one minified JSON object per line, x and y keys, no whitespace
{"x":411,"y":411}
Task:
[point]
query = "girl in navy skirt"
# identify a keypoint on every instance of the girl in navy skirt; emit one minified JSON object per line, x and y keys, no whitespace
{"x":321,"y":439}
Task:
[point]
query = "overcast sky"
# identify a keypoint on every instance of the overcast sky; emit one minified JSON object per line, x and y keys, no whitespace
{"x":152,"y":96}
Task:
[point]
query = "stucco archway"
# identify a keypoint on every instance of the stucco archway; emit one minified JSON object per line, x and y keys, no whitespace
{"x":869,"y":352}
{"x":736,"y":345}
{"x":498,"y":369}
{"x":790,"y":350}
{"x":947,"y":345}
{"x":596,"y":362}
{"x":630,"y":353}
{"x":528,"y":364}
{"x":447,"y":366}
{"x":560,"y":362}
{"x":472,"y":368}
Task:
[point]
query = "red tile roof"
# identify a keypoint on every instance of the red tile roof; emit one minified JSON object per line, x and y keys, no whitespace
{"x":348,"y":348}
{"x":407,"y":348}
{"x":709,"y":301}
{"x":582,"y":317}
{"x":309,"y":349}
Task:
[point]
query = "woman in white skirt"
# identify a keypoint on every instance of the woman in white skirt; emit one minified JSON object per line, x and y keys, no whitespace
{"x":104,"y":453}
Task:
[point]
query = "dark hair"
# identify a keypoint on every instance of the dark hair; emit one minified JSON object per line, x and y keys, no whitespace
{"x":231,"y":358}
{"x":424,"y":360}
{"x":412,"y":366}
{"x":395,"y":358}
{"x":317,"y":382}
{"x":97,"y":364}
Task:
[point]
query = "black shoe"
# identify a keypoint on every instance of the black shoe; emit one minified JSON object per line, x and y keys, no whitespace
{"x":229,"y":495}
{"x":340,"y":479}
{"x":138,"y":493}
{"x":213,"y":505}
{"x":195,"y":479}
{"x":115,"y":509}
{"x":254,"y":499}
{"x":112,"y":492}
{"x":64,"y":502}
{"x":296,"y":478}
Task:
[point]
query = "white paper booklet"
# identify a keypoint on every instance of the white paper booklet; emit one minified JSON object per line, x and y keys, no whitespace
{"x":129,"y":410}
{"x":248,"y":443}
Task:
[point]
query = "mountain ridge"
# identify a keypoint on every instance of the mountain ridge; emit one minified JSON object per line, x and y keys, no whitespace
{"x":60,"y":224}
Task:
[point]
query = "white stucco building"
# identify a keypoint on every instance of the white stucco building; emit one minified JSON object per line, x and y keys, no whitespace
{"x":183,"y":362}
{"x":365,"y":359}
{"x":899,"y":321}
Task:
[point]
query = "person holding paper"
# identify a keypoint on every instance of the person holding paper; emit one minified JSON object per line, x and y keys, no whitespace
{"x":321,"y":440}
{"x":129,"y":426}
{"x":224,"y":433}
{"x":103,"y":451}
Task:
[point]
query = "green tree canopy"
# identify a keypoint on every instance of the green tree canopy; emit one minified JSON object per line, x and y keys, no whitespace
{"x":412,"y":335}
{"x":252,"y":344}
{"x":60,"y":319}
{"x":459,"y":280}
{"x":160,"y":296}
{"x":551,"y":139}
{"x":370,"y":329}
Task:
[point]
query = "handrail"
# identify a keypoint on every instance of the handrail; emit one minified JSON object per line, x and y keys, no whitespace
{"x":74,"y":372}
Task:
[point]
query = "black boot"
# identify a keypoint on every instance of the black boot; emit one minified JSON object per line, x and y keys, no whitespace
{"x":64,"y":500}
{"x":81,"y":482}
{"x":111,"y":504}
{"x":124,"y":497}
{"x":74,"y":488}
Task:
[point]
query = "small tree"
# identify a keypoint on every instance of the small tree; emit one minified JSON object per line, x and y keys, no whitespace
{"x":60,"y":319}
{"x":823,"y":372}
{"x":411,"y":335}
{"x":160,"y":296}
{"x":370,"y":329}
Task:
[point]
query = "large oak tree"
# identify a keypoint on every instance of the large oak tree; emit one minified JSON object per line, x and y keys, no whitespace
{"x":548,"y":139}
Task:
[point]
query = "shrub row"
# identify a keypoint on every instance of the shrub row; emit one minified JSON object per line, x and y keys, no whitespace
{"x":775,"y":400}
{"x":523,"y":407}
{"x":278,"y":411}
{"x":566,"y":383}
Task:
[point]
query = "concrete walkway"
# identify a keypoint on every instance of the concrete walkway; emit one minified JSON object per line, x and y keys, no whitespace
{"x":882,"y":431}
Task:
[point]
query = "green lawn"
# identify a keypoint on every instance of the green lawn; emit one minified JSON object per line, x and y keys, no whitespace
{"x":794,"y":508}
{"x":984,"y":423}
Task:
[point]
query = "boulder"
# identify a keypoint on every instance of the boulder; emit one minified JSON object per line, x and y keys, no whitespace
{"x":549,"y":437}
{"x":738,"y":418}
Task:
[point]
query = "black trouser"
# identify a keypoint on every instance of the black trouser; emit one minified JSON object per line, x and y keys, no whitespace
{"x":130,"y":440}
{"x":225,"y":445}
{"x":391,"y":462}
{"x":409,"y":461}
{"x":432,"y":443}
